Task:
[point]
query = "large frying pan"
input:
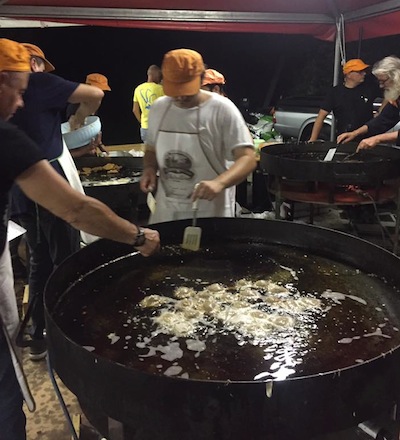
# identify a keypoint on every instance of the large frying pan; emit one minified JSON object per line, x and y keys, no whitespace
{"x":120,"y":191}
{"x":305,"y":162}
{"x":91,"y":294}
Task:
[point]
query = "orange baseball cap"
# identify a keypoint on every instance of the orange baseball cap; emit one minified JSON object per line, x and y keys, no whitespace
{"x":355,"y":65}
{"x":14,"y":57}
{"x":98,"y":80}
{"x":35,"y":51}
{"x":212,"y":76}
{"x":182,"y":70}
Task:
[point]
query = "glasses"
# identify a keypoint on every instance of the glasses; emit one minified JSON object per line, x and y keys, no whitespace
{"x":383,"y":81}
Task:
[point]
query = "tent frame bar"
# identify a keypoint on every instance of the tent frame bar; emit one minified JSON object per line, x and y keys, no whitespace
{"x":385,"y":7}
{"x":60,"y":12}
{"x":55,"y":12}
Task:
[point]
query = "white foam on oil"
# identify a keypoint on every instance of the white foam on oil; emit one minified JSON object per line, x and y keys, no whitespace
{"x":337,"y":297}
{"x":113,"y":338}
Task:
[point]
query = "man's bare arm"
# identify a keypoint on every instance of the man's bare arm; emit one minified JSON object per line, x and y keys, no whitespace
{"x":45,"y":186}
{"x":136,"y":111}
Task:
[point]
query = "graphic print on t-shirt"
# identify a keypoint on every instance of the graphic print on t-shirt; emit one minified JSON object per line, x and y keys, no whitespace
{"x":178,"y":174}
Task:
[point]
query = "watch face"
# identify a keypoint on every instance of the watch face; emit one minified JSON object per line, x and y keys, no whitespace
{"x":140,"y":238}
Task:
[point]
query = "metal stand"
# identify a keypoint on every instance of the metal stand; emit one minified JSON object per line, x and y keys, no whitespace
{"x":115,"y":428}
{"x":276,"y":187}
{"x":60,"y":399}
{"x":397,"y":226}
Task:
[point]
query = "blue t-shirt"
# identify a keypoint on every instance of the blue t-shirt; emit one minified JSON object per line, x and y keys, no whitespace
{"x":18,"y":153}
{"x":45,"y":100}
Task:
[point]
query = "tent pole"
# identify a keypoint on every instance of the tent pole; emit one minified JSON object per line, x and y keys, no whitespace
{"x":336,"y":73}
{"x":360,"y":39}
{"x":272,"y":85}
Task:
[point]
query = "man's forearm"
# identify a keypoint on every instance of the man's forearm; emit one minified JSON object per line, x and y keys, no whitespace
{"x":45,"y":186}
{"x":84,"y":110}
{"x":360,"y":131}
{"x":94,"y":217}
{"x":150,"y":159}
{"x":238,"y":172}
{"x":137,"y":112}
{"x":388,"y":138}
{"x":317,"y":127}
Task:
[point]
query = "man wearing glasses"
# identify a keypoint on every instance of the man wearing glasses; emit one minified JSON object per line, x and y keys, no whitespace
{"x":374,"y":132}
{"x":351,"y":102}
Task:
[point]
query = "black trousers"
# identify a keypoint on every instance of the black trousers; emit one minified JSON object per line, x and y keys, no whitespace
{"x":50,"y":241}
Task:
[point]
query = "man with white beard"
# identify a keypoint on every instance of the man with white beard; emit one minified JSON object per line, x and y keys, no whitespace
{"x":387,"y":72}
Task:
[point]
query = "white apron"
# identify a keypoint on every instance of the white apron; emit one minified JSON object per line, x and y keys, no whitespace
{"x":9,"y":320}
{"x":71,"y":173}
{"x":182,"y":164}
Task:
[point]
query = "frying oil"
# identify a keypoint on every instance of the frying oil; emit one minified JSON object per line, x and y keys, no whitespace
{"x":269,"y":313}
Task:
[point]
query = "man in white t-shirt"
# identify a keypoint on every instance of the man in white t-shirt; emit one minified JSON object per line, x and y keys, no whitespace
{"x":192,"y":136}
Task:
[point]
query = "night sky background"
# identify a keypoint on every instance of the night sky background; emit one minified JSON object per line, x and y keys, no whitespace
{"x":259,"y":67}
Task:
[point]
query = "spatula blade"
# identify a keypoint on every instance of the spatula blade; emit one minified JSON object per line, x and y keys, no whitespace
{"x":191,"y":238}
{"x":329,"y":155}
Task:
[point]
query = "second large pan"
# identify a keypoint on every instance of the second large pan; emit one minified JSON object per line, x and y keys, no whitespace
{"x":305,"y":162}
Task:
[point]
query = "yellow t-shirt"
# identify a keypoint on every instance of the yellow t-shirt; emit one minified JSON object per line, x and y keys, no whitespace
{"x":145,"y":94}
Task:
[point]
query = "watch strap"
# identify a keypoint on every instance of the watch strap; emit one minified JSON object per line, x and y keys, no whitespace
{"x":140,"y":238}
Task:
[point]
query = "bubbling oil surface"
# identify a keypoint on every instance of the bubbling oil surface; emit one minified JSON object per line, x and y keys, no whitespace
{"x":356,"y":320}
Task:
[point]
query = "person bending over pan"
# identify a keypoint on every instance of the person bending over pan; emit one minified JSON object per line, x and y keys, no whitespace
{"x":192,"y":136}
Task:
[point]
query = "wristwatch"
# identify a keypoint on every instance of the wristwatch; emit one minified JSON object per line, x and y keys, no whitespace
{"x":140,"y":238}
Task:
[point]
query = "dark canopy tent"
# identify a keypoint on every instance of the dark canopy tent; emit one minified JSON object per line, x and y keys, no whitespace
{"x":372,"y":18}
{"x":345,"y":20}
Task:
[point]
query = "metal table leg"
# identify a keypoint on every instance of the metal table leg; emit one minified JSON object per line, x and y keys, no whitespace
{"x":397,"y":226}
{"x":115,"y":429}
{"x":278,"y":200}
{"x":60,"y":399}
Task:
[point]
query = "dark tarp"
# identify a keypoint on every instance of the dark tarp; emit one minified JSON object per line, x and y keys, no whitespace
{"x":319,"y":18}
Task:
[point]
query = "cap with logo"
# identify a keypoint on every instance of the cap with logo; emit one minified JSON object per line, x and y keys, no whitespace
{"x":98,"y":80}
{"x":355,"y":65}
{"x":35,"y":51}
{"x":13,"y":56}
{"x":212,"y":76}
{"x":182,"y":70}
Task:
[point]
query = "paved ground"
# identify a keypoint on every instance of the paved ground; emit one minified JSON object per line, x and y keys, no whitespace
{"x":373,"y":223}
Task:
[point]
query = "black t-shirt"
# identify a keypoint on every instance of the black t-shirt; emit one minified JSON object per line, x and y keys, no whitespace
{"x":387,"y":119}
{"x":18,"y":153}
{"x":352,"y":108}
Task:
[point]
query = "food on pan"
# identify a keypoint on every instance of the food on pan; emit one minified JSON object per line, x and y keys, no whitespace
{"x":253,"y":309}
{"x":108,"y":168}
{"x":108,"y":174}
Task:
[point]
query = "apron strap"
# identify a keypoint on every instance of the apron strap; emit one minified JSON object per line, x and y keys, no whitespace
{"x":212,"y":159}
